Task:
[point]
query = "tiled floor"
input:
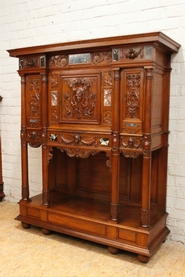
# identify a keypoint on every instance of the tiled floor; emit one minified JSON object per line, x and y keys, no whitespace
{"x":29,"y":253}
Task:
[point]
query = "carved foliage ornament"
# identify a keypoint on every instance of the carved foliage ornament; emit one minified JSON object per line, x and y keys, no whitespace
{"x":78,"y":153}
{"x":80,"y":98}
{"x":78,"y":140}
{"x":133,"y":95}
{"x":34,"y":97}
{"x":101,"y":56}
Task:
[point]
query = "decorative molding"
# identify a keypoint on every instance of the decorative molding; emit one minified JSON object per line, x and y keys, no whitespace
{"x":131,"y":154}
{"x":78,"y":153}
{"x":78,"y":140}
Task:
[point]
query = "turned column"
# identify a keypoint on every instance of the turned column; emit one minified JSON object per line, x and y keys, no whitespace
{"x":115,"y":147}
{"x":45,"y":181}
{"x":147,"y":156}
{"x":24,"y":147}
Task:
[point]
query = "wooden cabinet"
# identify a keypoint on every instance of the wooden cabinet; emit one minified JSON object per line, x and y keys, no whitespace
{"x":99,"y":109}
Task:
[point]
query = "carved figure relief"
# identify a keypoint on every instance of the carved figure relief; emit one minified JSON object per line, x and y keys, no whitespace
{"x":34,"y":97}
{"x":131,"y":142}
{"x":79,"y":97}
{"x":131,"y":53}
{"x":133,"y":95}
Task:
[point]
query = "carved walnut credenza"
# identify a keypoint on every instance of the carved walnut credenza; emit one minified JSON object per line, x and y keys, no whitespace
{"x":99,"y":109}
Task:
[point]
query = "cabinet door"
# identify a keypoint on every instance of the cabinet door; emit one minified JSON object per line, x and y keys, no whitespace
{"x":132,"y":88}
{"x":80,"y":99}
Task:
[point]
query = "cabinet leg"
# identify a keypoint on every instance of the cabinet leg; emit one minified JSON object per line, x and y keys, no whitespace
{"x":113,"y":250}
{"x":143,"y":259}
{"x":46,"y":231}
{"x":25,"y":225}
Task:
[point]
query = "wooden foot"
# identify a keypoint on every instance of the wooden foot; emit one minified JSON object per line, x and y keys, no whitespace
{"x":25,"y":225}
{"x":46,"y":231}
{"x":113,"y":250}
{"x":143,"y":259}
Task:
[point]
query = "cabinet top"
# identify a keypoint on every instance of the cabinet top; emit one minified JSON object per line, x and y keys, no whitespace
{"x":157,"y":38}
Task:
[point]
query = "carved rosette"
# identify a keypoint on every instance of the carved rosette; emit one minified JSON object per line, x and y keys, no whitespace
{"x":78,"y":140}
{"x":100,"y":57}
{"x":60,"y":60}
{"x":78,"y":153}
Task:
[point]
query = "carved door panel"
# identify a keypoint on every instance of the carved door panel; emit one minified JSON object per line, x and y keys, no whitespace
{"x":132,"y":101}
{"x":80,"y":99}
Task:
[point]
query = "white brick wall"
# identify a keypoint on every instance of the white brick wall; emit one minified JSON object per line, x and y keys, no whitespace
{"x":26,"y":23}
